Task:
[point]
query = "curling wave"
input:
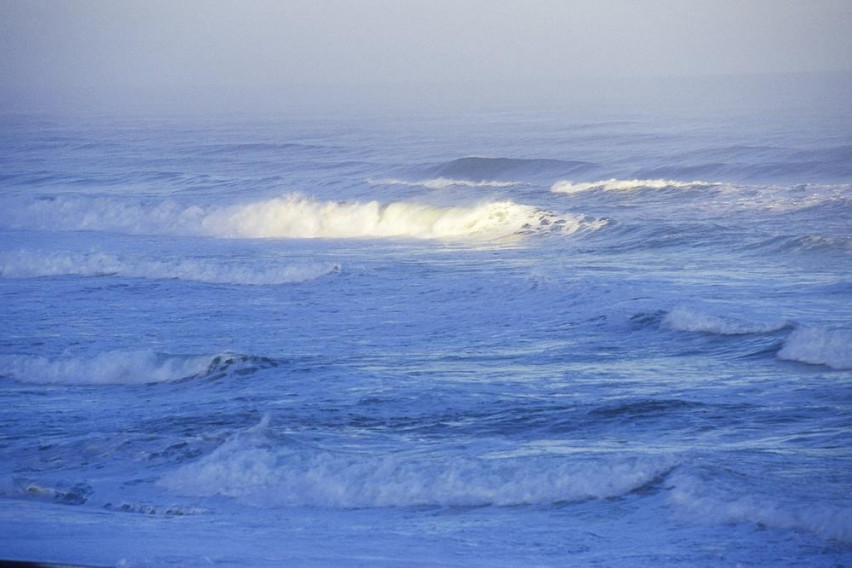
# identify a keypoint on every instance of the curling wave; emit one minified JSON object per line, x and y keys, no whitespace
{"x":291,"y":216}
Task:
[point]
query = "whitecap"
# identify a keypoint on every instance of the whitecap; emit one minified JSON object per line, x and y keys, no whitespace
{"x":251,"y":469}
{"x":829,"y":347}
{"x":566,"y":186}
{"x":126,"y":367}
{"x":692,"y":320}
{"x":700,"y":502}
{"x":292,"y":216}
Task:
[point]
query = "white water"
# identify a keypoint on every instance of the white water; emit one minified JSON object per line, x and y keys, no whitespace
{"x":566,"y":186}
{"x":292,"y":216}
{"x":831,"y":347}
{"x":109,"y":368}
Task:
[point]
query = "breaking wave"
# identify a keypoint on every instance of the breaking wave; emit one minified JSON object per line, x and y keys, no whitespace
{"x":699,"y":502}
{"x":687,"y":319}
{"x":829,"y":347}
{"x":29,"y":264}
{"x":291,"y":216}
{"x":625,"y":185}
{"x":127,"y":368}
{"x":250,"y":469}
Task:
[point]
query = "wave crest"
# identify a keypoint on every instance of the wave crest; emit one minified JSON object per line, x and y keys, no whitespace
{"x":292,"y":216}
{"x":443,"y":183}
{"x":127,"y":368}
{"x":832,"y":348}
{"x":691,"y":320}
{"x":566,"y":186}
{"x":702,"y":503}
{"x":252,"y":469}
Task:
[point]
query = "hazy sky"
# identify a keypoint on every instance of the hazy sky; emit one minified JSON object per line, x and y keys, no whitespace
{"x":112,"y":50}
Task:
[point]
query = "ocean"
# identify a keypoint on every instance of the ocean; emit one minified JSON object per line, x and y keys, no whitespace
{"x":611,"y":335}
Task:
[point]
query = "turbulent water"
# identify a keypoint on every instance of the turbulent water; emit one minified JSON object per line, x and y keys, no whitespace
{"x":538,"y":338}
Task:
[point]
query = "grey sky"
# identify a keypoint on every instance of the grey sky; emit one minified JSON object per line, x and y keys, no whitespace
{"x":107,"y":50}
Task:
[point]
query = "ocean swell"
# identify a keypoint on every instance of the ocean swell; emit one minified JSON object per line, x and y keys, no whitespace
{"x":478,"y":168}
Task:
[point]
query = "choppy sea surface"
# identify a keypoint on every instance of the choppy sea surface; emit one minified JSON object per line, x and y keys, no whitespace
{"x":516,"y":338}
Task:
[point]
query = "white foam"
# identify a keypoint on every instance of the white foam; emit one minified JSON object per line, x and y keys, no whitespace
{"x":830,"y":347}
{"x":249,"y":468}
{"x":698,"y":502}
{"x":35,"y":263}
{"x":291,"y":216}
{"x":443,"y":183}
{"x":109,"y":368}
{"x":687,"y":319}
{"x":566,"y":186}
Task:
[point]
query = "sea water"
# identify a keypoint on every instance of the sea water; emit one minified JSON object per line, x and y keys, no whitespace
{"x":510,"y":337}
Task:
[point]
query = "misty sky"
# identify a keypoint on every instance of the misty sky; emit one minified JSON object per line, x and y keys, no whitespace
{"x":186,"y":49}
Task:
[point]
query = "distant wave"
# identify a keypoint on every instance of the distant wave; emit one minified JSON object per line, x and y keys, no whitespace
{"x":759,"y":164}
{"x":625,"y":185}
{"x":692,"y":320}
{"x":34,"y":263}
{"x":259,"y":147}
{"x":291,"y":216}
{"x":829,"y":347}
{"x":443,"y":183}
{"x":126,"y":367}
{"x":253,"y":469}
{"x":480,"y":168}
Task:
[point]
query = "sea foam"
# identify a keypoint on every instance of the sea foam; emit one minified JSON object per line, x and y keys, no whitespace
{"x":566,"y":186}
{"x":829,"y":347}
{"x":290,"y":216}
{"x":35,"y":263}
